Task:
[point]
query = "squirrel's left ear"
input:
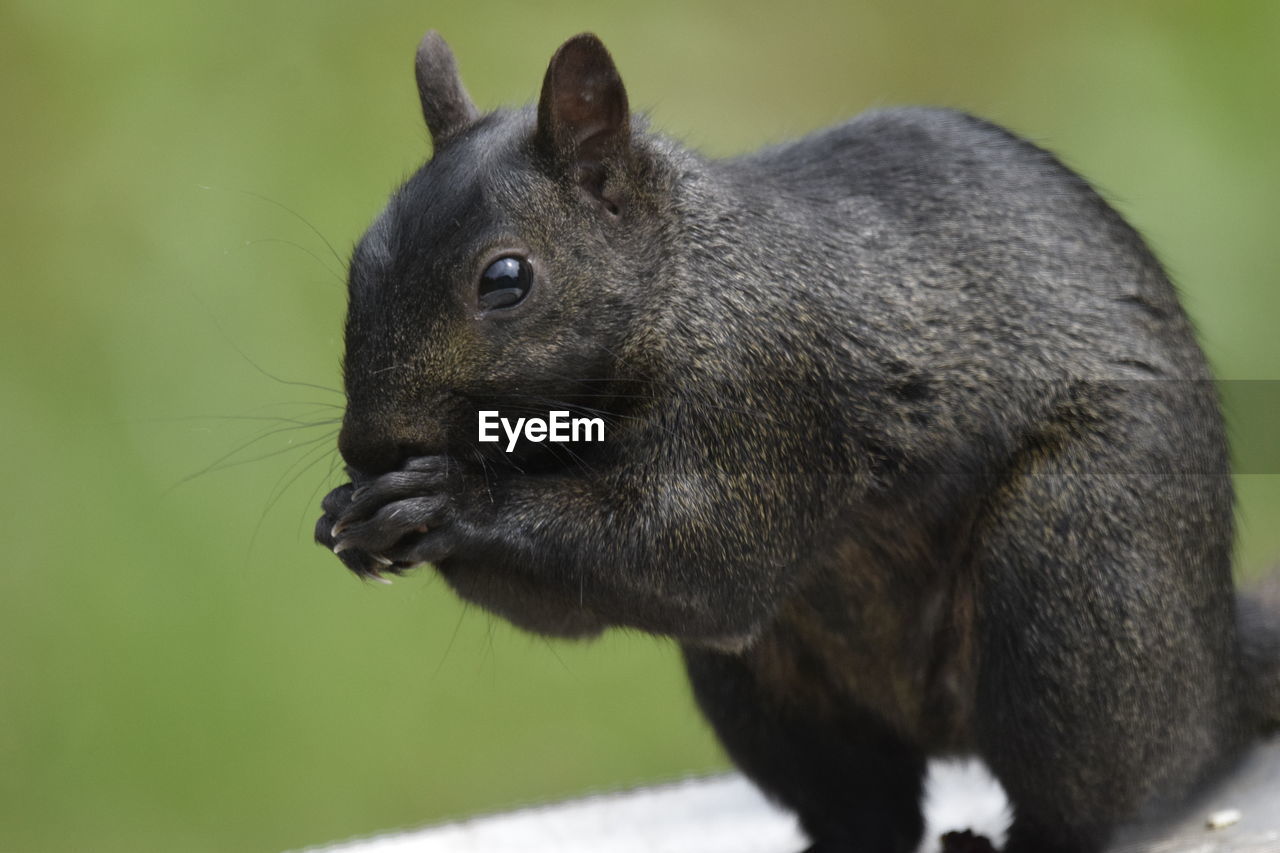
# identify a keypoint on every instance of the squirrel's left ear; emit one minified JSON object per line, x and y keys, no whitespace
{"x":445,"y":103}
{"x":584,"y":122}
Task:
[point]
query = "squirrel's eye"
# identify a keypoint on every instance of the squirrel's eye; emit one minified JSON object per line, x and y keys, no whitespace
{"x":505,"y":282}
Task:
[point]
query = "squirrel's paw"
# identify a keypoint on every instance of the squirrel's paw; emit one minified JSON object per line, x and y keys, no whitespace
{"x":966,"y":842}
{"x":393,"y":522}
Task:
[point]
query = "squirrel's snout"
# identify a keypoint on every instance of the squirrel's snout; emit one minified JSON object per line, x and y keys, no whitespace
{"x":376,"y":445}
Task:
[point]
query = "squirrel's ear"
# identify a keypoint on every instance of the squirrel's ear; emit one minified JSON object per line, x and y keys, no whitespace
{"x":583,"y":118}
{"x":445,"y":103}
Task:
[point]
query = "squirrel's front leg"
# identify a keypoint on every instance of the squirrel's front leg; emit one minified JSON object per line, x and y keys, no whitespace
{"x":436,"y":510}
{"x":628,"y":545}
{"x":491,"y":539}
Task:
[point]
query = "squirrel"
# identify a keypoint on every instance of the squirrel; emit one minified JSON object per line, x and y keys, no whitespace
{"x":911,"y":448}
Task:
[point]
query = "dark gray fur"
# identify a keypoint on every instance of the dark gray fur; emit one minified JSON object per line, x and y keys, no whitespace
{"x":910,"y":446}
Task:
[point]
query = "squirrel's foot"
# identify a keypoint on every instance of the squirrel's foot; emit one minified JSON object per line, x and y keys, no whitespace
{"x":966,"y":842}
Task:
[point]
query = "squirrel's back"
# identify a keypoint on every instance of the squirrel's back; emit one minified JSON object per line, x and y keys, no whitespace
{"x":976,"y":243}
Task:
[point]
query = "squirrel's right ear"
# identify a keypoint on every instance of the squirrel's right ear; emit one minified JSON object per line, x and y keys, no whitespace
{"x":584,"y":123}
{"x":445,"y":103}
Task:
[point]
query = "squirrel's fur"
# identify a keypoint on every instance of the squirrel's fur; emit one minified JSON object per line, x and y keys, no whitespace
{"x":910,"y":446}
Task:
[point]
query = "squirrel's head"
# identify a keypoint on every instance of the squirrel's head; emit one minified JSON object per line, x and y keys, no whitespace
{"x":514,"y":267}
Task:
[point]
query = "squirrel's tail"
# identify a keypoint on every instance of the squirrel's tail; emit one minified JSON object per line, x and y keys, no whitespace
{"x":1258,"y":612}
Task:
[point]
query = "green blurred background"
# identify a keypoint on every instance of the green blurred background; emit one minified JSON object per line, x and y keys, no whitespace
{"x":181,"y":669}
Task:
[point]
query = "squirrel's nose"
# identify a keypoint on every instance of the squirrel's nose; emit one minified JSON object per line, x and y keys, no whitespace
{"x":374,"y":446}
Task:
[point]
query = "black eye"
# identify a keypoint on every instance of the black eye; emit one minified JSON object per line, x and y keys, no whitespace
{"x":504,"y":283}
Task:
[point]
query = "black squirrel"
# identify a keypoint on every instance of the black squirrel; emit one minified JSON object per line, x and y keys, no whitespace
{"x":910,"y":447}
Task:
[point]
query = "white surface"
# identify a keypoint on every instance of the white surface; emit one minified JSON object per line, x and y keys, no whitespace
{"x":726,"y":815}
{"x":723,"y":814}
